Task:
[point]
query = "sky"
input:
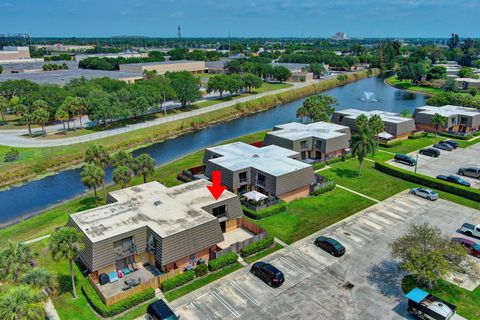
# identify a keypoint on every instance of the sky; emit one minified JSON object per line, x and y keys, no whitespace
{"x":242,"y":18}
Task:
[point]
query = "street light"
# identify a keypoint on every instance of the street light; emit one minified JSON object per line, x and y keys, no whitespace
{"x":416,"y":163}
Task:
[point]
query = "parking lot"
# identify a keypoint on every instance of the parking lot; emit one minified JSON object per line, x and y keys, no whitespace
{"x":447,"y":163}
{"x":363,"y":284}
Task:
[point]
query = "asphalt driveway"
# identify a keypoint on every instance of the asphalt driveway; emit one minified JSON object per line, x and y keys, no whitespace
{"x":363,"y":284}
{"x":447,"y":163}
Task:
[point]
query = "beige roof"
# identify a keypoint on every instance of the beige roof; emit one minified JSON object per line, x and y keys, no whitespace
{"x":448,"y":110}
{"x":321,"y":130}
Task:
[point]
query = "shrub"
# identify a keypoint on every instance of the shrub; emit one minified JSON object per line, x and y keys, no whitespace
{"x":270,"y":211}
{"x":333,"y":160}
{"x":257,"y":246}
{"x":347,"y":156}
{"x":222,"y":262}
{"x":428,"y":181}
{"x":201,"y":270}
{"x":178,"y":280}
{"x":391,"y":144}
{"x":11,"y":155}
{"x":455,"y":136}
{"x":322,"y":190}
{"x":318,"y":165}
{"x":418,"y":135}
{"x":108,"y":311}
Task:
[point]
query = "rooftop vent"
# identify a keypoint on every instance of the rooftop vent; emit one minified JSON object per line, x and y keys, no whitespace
{"x":255,"y":156}
{"x":348,"y":285}
{"x":157,"y":203}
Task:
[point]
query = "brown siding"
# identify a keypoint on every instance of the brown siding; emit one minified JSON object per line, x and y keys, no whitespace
{"x":234,"y":208}
{"x":295,"y":180}
{"x":295,"y":194}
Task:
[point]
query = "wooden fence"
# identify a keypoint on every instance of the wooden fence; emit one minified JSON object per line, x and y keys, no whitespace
{"x":238,"y":246}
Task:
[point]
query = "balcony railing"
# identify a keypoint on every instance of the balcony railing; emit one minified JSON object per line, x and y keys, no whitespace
{"x":243,"y":180}
{"x":151,"y":248}
{"x":261,"y":183}
{"x":221,"y":215}
{"x":125,"y":252}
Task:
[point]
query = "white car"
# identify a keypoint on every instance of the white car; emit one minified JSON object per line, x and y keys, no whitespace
{"x":424,"y":193}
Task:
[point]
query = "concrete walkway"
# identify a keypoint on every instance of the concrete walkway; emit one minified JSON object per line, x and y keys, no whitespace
{"x":37,"y":239}
{"x":15,"y":140}
{"x":51,"y":311}
{"x":358,"y":193}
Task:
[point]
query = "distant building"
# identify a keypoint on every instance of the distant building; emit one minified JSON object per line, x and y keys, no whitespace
{"x":468,"y":83}
{"x":459,"y":119}
{"x":166,"y":66}
{"x":298,"y":70}
{"x":216,"y":67}
{"x":80,"y":57}
{"x":316,"y":141}
{"x":339,"y":36}
{"x":271,"y":170}
{"x":63,"y":47}
{"x":452,"y":67}
{"x":396,"y":127}
{"x":9,"y":53}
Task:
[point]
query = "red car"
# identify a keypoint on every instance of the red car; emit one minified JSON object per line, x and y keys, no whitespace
{"x":472,"y":247}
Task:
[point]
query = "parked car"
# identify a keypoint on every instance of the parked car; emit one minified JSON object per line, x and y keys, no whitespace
{"x":473,"y":172}
{"x":443,"y":146}
{"x":454,"y":144}
{"x":330,"y":245}
{"x":267,"y":273}
{"x":429,"y":307}
{"x":472,"y":247}
{"x":159,"y":310}
{"x":471,"y":230}
{"x":454,"y":179}
{"x":430,"y":152}
{"x":424,"y":193}
{"x":403,"y":158}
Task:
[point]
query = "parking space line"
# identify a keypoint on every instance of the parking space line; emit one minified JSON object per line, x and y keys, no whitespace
{"x":202,"y":312}
{"x":264,"y":285}
{"x":393,"y":215}
{"x":225,"y":304}
{"x":305,"y":274}
{"x":370,"y":223}
{"x":380,"y":219}
{"x":246,"y":294}
{"x":302,"y":255}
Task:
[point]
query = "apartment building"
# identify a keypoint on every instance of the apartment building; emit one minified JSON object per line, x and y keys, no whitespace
{"x":150,"y":223}
{"x":396,"y":127}
{"x":271,"y":170}
{"x":316,"y":141}
{"x":459,"y":119}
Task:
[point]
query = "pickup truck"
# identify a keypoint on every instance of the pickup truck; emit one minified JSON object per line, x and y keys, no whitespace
{"x":426,"y":306}
{"x":471,"y":230}
{"x":454,"y":179}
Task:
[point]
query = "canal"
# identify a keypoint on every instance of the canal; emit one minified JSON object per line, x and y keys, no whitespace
{"x":19,"y":202}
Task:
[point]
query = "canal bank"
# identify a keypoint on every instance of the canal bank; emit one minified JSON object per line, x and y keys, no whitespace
{"x":55,"y":189}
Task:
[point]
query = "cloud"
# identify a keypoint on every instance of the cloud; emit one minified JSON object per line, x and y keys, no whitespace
{"x":177,"y":14}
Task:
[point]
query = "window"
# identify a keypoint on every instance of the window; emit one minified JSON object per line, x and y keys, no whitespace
{"x":463,"y":120}
{"x":303,"y":144}
{"x":261,"y":180}
{"x":219,"y":211}
{"x":318,"y":144}
{"x":340,"y":118}
{"x":243,"y":177}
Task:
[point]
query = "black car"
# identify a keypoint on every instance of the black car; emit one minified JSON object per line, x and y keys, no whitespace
{"x":454,"y":144}
{"x":330,"y":245}
{"x":403,"y":158}
{"x":443,"y":146}
{"x":430,"y":152}
{"x":454,"y":179}
{"x":159,"y":310}
{"x":268,"y":274}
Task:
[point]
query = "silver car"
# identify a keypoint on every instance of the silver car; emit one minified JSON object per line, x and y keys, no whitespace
{"x":424,"y":193}
{"x":472,"y":172}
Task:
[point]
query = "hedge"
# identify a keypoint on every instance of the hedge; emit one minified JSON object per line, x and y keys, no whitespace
{"x":222,"y":262}
{"x":428,"y":181}
{"x":319,"y":165}
{"x":333,"y":160}
{"x":322,"y":190}
{"x":257,"y":246}
{"x":109,"y":311}
{"x":390,"y":145}
{"x":178,"y":280}
{"x":270,"y":211}
{"x":455,"y":136}
{"x":418,"y":135}
{"x":201,"y":270}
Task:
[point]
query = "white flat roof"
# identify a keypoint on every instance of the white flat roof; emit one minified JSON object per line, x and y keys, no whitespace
{"x":448,"y":110}
{"x":386,"y":116}
{"x":321,"y":130}
{"x":164,"y":210}
{"x":271,"y":159}
{"x":467,"y":79}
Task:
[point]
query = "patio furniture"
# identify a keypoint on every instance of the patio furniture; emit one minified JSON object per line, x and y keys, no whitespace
{"x":135,"y":266}
{"x":112,"y":276}
{"x":136,"y":282}
{"x":127,"y":285}
{"x":120,"y":273}
{"x":201,"y":261}
{"x":189,"y":267}
{"x":103,"y":279}
{"x":126,"y":271}
{"x":130,"y":267}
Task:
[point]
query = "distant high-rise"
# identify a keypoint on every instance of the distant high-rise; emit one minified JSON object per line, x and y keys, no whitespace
{"x":179,"y":32}
{"x":340,"y":36}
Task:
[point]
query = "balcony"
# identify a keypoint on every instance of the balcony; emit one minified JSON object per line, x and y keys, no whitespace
{"x":261,"y":183}
{"x":243,"y":180}
{"x":121,"y":253}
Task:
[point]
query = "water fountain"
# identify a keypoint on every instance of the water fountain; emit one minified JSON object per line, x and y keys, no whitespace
{"x":368,"y":96}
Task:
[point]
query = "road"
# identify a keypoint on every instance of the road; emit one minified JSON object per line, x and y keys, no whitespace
{"x":14,"y":138}
{"x":363,"y":284}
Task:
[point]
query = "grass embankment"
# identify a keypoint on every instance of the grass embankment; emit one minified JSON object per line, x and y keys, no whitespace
{"x":466,"y":301}
{"x":37,"y":161}
{"x":263,"y":253}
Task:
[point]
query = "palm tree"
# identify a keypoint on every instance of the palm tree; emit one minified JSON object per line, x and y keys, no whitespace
{"x":3,"y":108}
{"x":122,"y":175}
{"x":92,"y":177}
{"x":376,"y":126}
{"x":22,"y":303}
{"x":361,"y":145}
{"x":97,"y":155}
{"x":66,"y":243}
{"x":76,"y":105}
{"x":63,"y":116}
{"x":122,"y":158}
{"x":362,"y":122}
{"x":15,"y":260}
{"x":405,"y":113}
{"x":41,"y":279}
{"x":438,"y":121}
{"x":144,"y":165}
{"x":41,"y":116}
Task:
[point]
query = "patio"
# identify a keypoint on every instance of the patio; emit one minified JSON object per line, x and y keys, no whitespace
{"x":237,"y":235}
{"x":144,"y":274}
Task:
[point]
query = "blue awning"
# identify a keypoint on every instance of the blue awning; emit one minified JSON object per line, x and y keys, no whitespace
{"x":417,"y":295}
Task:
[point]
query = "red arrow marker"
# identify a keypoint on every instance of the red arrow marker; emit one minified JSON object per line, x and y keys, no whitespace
{"x":216,"y":189}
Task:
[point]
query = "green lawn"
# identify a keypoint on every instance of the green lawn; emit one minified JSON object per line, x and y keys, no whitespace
{"x":203,"y":281}
{"x":308,"y":215}
{"x":263,"y":253}
{"x":407,"y":85}
{"x":467,"y":302}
